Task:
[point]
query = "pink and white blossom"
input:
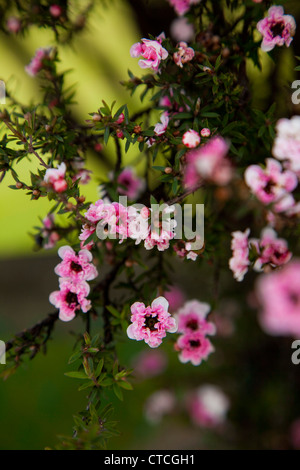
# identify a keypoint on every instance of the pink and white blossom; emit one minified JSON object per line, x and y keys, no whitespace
{"x":239,"y":263}
{"x":271,"y":250}
{"x":287,"y":143}
{"x":192,"y":317}
{"x":182,"y":30}
{"x":151,"y":324}
{"x":193,"y":347}
{"x":183,"y":54}
{"x":191,"y":139}
{"x":76,"y":267}
{"x":182,"y":6}
{"x":70,"y":299}
{"x":151,"y":51}
{"x":158,"y":405}
{"x":161,"y":127}
{"x":56,"y":178}
{"x":279,"y":296}
{"x":276,"y":29}
{"x":208,"y":406}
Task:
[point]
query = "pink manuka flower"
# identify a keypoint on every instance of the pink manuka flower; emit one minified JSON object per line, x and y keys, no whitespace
{"x":70,"y":299}
{"x":13,"y":24}
{"x":279,"y":295}
{"x":183,"y":54}
{"x":205,"y":132}
{"x":272,"y":185}
{"x":150,"y":363}
{"x":86,"y":232}
{"x":36,"y":63}
{"x":276,"y":29}
{"x":55,"y":11}
{"x":160,"y":240}
{"x":151,"y":324}
{"x":130,"y":184}
{"x":287,"y":143}
{"x":208,"y":406}
{"x":76,"y":267}
{"x":182,"y":30}
{"x":56,"y":178}
{"x":192,"y":317}
{"x":182,"y":6}
{"x":193,"y":347}
{"x":191,"y":139}
{"x":161,"y":127}
{"x":208,"y":163}
{"x":151,"y":51}
{"x":271,"y":250}
{"x":48,"y":233}
{"x":239,"y":262}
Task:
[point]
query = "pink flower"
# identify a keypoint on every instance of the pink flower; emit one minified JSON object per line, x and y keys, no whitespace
{"x":120,"y":118}
{"x":158,"y":405}
{"x":192,"y":317}
{"x":272,"y":185}
{"x":184,"y":54}
{"x":83,"y":176}
{"x":161,"y":127}
{"x":77,"y":268}
{"x":209,"y":163}
{"x":151,"y":324}
{"x":130,"y":184}
{"x":175,"y":297}
{"x":287,"y":143}
{"x":272,"y":250}
{"x":182,"y":6}
{"x":182,"y":30}
{"x":48,"y":233}
{"x":36,"y":63}
{"x":56,"y":178}
{"x":13,"y":24}
{"x":86,"y":232}
{"x":150,"y":363}
{"x":151,"y":51}
{"x":55,"y":11}
{"x":277,"y":29}
{"x":208,"y":406}
{"x":193,"y":347}
{"x":191,"y":139}
{"x":239,"y":262}
{"x":205,"y":132}
{"x":160,"y":240}
{"x":279,"y":295}
{"x":70,"y":299}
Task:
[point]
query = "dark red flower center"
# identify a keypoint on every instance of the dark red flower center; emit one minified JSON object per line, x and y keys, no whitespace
{"x":192,"y":324}
{"x":150,"y":322}
{"x":195,"y":344}
{"x":72,"y":299}
{"x":76,"y":267}
{"x":277,"y":29}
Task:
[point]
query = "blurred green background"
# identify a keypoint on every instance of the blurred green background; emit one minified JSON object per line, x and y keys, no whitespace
{"x":38,"y":402}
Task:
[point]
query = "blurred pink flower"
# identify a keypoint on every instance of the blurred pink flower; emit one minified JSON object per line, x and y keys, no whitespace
{"x":192,"y":317}
{"x":161,"y":127}
{"x":55,"y":11}
{"x":175,"y":297}
{"x":130,"y":184}
{"x":279,"y":295}
{"x":208,"y":406}
{"x":277,"y":29}
{"x":151,"y":324}
{"x":183,"y":54}
{"x":36,"y":63}
{"x":193,"y":347}
{"x":182,"y":30}
{"x":158,"y":405}
{"x":13,"y":24}
{"x":271,"y":250}
{"x":150,"y":363}
{"x":239,"y":262}
{"x":182,"y":6}
{"x":287,"y":143}
{"x":56,"y":178}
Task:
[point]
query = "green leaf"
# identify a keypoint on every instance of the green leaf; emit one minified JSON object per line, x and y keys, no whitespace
{"x":76,"y":375}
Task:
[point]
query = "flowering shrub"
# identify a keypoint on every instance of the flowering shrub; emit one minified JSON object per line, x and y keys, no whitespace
{"x":201,"y":140}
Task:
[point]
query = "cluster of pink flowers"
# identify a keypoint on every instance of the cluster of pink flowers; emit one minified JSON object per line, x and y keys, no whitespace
{"x":192,"y":344}
{"x":276,"y":29}
{"x":208,"y":163}
{"x":183,"y":54}
{"x":279,"y":295}
{"x":151,"y":51}
{"x":36,"y":63}
{"x":182,"y":6}
{"x":268,"y":251}
{"x":130,"y":184}
{"x":74,"y":271}
{"x":272,"y":185}
{"x":55,"y":177}
{"x":117,"y":221}
{"x":287,"y":143}
{"x":184,"y":250}
{"x":151,"y":324}
{"x":208,"y":406}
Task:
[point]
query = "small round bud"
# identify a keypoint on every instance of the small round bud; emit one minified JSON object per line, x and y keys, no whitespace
{"x":36,"y":192}
{"x":226,"y":52}
{"x":47,"y":128}
{"x":168,"y":170}
{"x":128,"y":263}
{"x":140,"y":138}
{"x":69,"y":206}
{"x":120,"y":134}
{"x":96,"y":117}
{"x":81,"y":199}
{"x":137,"y":129}
{"x":19,"y":185}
